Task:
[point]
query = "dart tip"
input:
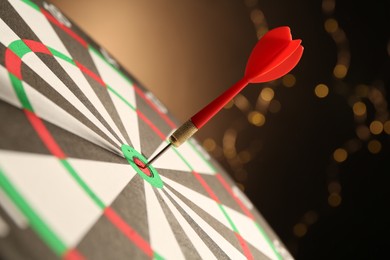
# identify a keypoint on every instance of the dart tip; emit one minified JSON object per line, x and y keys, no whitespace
{"x":156,"y":156}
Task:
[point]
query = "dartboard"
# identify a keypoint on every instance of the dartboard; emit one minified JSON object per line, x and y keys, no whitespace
{"x":75,"y":128}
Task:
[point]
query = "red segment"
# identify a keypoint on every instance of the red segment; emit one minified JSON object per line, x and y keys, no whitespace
{"x":37,"y":46}
{"x":13,"y":63}
{"x":73,"y":254}
{"x":64,"y":28}
{"x":130,"y":233}
{"x":45,"y":135}
{"x":141,"y":166}
{"x":238,"y":201}
{"x":154,"y":128}
{"x":206,"y":187}
{"x":90,"y":73}
{"x":150,"y":103}
{"x":244,"y":247}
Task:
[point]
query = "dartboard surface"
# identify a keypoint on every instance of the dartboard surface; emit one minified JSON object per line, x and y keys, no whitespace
{"x":74,"y":128}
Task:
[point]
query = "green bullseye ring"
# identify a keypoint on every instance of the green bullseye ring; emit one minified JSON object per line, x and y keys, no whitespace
{"x":149,"y":174}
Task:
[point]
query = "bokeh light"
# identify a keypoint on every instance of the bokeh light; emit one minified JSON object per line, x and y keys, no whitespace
{"x":340,"y":155}
{"x":256,"y":118}
{"x":321,"y":90}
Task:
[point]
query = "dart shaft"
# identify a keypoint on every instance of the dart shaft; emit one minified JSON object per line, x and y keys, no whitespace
{"x":206,"y":113}
{"x":157,"y":155}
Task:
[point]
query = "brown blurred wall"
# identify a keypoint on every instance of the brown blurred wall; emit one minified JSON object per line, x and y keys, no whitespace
{"x":185,"y":52}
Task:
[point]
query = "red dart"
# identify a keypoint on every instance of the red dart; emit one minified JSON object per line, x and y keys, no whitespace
{"x":274,"y":55}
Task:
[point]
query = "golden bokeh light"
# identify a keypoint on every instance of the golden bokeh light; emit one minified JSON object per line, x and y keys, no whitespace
{"x":331,"y":25}
{"x":257,"y":16}
{"x":386,"y":127}
{"x":289,"y":80}
{"x":242,"y":102}
{"x":245,"y":156}
{"x":256,"y":118}
{"x":340,"y":155}
{"x":340,"y":71}
{"x":359,"y":108}
{"x":328,"y":6}
{"x":334,"y":199}
{"x":321,"y":90}
{"x":209,"y":144}
{"x":300,"y":230}
{"x":363,"y":132}
{"x":229,"y":153}
{"x":374,"y":146}
{"x":267,"y":94}
{"x":376,"y":127}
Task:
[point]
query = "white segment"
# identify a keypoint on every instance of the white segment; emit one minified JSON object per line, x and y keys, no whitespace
{"x":250,"y":233}
{"x":162,"y":238}
{"x":6,"y":34}
{"x":225,"y":246}
{"x":194,"y":159}
{"x":207,"y":204}
{"x":12,"y":211}
{"x":4,"y":228}
{"x":40,"y":25}
{"x":197,"y":242}
{"x":49,"y":111}
{"x":129,"y":119}
{"x":80,"y":80}
{"x":7,"y":92}
{"x":114,"y":79}
{"x":52,"y":193}
{"x":107,"y":180}
{"x":47,"y":75}
{"x":169,"y":160}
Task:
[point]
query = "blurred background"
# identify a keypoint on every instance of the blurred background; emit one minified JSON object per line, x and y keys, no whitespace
{"x":311,"y":150}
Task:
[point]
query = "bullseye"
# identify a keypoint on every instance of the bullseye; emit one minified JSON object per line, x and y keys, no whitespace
{"x":141,"y":166}
{"x":138,"y":162}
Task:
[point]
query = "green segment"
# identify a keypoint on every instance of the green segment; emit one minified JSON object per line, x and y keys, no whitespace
{"x":228,"y":218}
{"x":19,"y":89}
{"x":156,"y":256}
{"x":61,"y":56}
{"x":120,"y":97}
{"x":268,"y":240}
{"x":19,"y":48}
{"x":33,"y":5}
{"x":129,"y":152}
{"x":83,"y":185}
{"x":35,"y":221}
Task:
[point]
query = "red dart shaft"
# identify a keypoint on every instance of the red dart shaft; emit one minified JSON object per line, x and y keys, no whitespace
{"x":274,"y":55}
{"x":206,"y":113}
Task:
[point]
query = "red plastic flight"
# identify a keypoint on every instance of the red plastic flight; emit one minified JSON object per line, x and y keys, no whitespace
{"x":274,"y":55}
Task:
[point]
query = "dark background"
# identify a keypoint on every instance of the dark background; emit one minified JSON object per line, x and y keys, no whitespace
{"x":323,"y":202}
